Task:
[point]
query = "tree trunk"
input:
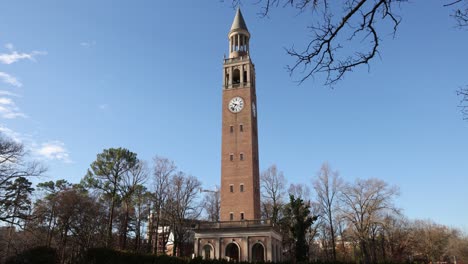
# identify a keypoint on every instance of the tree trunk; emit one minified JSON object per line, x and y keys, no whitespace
{"x":332,"y":233}
{"x":111,"y":220}
{"x":125,"y":227}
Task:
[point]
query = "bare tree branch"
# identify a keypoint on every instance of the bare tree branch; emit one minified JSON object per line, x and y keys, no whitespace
{"x":342,"y":40}
{"x":463,"y":93}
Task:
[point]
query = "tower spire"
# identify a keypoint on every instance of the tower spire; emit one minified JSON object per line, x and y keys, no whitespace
{"x":238,"y":37}
{"x":239,"y":22}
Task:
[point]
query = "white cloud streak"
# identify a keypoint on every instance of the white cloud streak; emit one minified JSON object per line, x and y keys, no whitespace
{"x":54,"y":150}
{"x":9,"y":110}
{"x":11,"y":134}
{"x":8,"y":93}
{"x":14,"y":56}
{"x":8,"y":79}
{"x":88,"y":44}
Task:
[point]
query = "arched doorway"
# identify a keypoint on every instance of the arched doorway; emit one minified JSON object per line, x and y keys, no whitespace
{"x":258,"y":253}
{"x":208,"y":252}
{"x":232,"y":251}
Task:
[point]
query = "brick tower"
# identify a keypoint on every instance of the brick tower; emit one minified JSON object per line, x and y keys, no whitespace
{"x":240,"y":194}
{"x":241,"y":234}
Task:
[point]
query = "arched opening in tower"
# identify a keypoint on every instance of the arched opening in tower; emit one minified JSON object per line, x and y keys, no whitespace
{"x":236,"y":76}
{"x":208,"y":252}
{"x":232,"y":251}
{"x":258,"y":253}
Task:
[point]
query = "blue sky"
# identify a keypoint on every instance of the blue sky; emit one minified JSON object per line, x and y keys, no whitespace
{"x":80,"y":76}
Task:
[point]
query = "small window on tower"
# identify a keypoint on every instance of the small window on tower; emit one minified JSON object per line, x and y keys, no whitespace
{"x":241,"y":156}
{"x":242,"y":188}
{"x":231,"y":188}
{"x":231,"y":216}
{"x":231,"y":157}
{"x":231,"y":129}
{"x":241,"y":128}
{"x":245,"y":76}
{"x":242,"y":216}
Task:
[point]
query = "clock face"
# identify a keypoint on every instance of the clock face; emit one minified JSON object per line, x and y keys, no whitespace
{"x":236,"y":104}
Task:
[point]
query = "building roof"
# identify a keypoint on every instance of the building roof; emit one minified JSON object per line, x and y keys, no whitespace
{"x":239,"y":22}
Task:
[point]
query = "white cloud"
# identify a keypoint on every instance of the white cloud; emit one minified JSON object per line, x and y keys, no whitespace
{"x":9,"y":58}
{"x":103,"y":106}
{"x":9,"y":110}
{"x":10,"y":134}
{"x":88,"y":44}
{"x":7,"y":78}
{"x":8,"y":93}
{"x":53,"y":150}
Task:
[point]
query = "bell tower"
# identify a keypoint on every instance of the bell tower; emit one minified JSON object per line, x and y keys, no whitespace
{"x":240,"y":188}
{"x":240,"y":235}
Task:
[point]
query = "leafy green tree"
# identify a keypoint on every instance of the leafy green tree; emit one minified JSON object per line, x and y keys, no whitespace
{"x":17,"y":203}
{"x":298,"y":219}
{"x":106,"y":174}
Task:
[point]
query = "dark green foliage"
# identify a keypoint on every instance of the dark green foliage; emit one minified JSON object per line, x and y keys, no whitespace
{"x":37,"y":255}
{"x":109,"y":256}
{"x":298,"y":219}
{"x":46,"y":255}
{"x":106,"y":175}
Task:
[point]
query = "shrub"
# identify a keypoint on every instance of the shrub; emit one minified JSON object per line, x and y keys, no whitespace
{"x":37,"y":255}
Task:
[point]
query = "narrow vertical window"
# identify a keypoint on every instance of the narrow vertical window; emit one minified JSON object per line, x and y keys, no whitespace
{"x":231,"y":129}
{"x":242,"y":188}
{"x":241,"y":156}
{"x":231,"y":216}
{"x":231,"y":157}
{"x":241,"y":128}
{"x":242,"y":216}
{"x":231,"y":188}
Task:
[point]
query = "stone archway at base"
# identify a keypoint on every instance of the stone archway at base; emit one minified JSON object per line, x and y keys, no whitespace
{"x":232,"y":251}
{"x":208,"y":252}
{"x":258,"y":253}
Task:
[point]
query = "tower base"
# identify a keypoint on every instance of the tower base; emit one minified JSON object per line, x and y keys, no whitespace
{"x":247,"y":240}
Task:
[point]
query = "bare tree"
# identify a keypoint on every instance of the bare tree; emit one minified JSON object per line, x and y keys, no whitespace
{"x":396,"y":239}
{"x":273,"y":186}
{"x":183,"y":208}
{"x":433,"y":240}
{"x":13,"y":166}
{"x":212,"y":204}
{"x":163,"y":169}
{"x":300,"y":191}
{"x":463,"y":93}
{"x":364,"y":205}
{"x":460,"y":13}
{"x":327,"y":187}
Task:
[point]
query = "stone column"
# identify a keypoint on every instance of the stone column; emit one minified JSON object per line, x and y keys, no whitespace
{"x":247,"y":252}
{"x":195,"y":248}
{"x":268,"y":249}
{"x":242,"y":75}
